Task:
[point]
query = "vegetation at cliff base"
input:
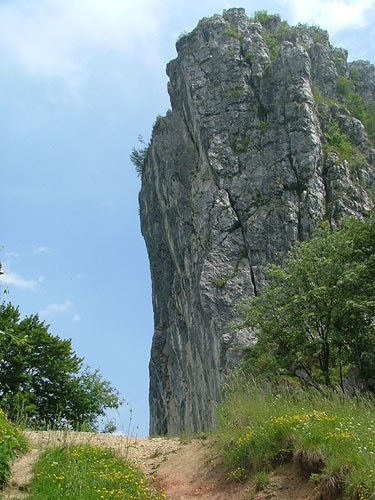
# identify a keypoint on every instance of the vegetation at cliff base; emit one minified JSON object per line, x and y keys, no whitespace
{"x":86,"y":472}
{"x":331,"y":438}
{"x":304,"y":391}
{"x":43,"y":383}
{"x":315,"y":318}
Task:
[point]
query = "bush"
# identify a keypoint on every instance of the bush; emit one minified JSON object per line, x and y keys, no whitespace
{"x":12,"y":443}
{"x":338,"y":141}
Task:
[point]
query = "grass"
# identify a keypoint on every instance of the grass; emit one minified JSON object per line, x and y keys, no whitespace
{"x":87,"y":472}
{"x":12,"y":444}
{"x":331,"y":437}
{"x":79,"y":471}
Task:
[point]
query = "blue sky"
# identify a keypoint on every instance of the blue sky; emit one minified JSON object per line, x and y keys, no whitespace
{"x":79,"y":81}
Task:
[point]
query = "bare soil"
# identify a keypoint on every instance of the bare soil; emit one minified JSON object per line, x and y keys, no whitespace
{"x":183,"y":469}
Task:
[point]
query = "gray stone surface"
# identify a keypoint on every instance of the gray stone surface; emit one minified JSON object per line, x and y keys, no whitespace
{"x":242,"y":166}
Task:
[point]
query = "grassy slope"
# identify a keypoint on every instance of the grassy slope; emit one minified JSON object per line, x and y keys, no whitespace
{"x":331,"y":437}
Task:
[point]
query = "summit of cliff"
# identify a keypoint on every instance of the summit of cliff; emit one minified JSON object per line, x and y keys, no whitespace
{"x":271,"y":130}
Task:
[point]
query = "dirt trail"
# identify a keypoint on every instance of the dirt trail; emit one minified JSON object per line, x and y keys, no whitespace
{"x":183,"y":469}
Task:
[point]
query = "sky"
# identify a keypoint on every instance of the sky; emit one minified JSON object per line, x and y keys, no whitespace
{"x":80,"y":80}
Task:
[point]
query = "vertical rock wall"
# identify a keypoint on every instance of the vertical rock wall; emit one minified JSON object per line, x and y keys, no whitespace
{"x":244,"y":164}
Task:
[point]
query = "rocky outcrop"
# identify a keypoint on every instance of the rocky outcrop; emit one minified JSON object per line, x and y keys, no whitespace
{"x":262,"y":142}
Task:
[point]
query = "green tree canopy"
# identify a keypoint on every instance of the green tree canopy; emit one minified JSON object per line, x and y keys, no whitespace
{"x":42,"y":379}
{"x":316,"y":316}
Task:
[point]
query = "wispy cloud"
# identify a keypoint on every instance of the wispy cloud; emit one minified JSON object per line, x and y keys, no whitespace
{"x":55,"y":309}
{"x":333,"y":15}
{"x":59,"y":39}
{"x":58,"y":309}
{"x":14,"y":279}
{"x":76,"y":318}
{"x":11,"y":255}
{"x":38,"y":249}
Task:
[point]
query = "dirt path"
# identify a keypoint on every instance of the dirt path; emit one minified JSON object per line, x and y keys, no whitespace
{"x":183,"y":469}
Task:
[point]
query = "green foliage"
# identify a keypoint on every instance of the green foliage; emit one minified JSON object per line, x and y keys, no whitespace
{"x":157,"y":126}
{"x":85,"y":472}
{"x":357,"y":107}
{"x":316,"y":315}
{"x":239,"y":144}
{"x":338,"y":141}
{"x":91,"y":397}
{"x":262,"y":479}
{"x":261,"y":425}
{"x":318,"y":33}
{"x":262,"y":16}
{"x":274,"y":39}
{"x":232,"y":31}
{"x":249,"y":57}
{"x":354,"y":102}
{"x":369,"y":122}
{"x":263,"y":126}
{"x":354,"y":75}
{"x":43,"y":381}
{"x":343,"y":86}
{"x":12,"y":443}
{"x":139,"y":156}
{"x":265,"y":18}
{"x":182,"y":35}
{"x":340,"y":58}
{"x":235,"y":91}
{"x":318,"y":98}
{"x":221,"y":282}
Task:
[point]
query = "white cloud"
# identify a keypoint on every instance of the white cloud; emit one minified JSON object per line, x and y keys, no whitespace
{"x":333,"y":15}
{"x":37,"y":249}
{"x":14,"y":279}
{"x":59,"y":39}
{"x":12,"y":255}
{"x":54,"y":309}
{"x":76,"y":318}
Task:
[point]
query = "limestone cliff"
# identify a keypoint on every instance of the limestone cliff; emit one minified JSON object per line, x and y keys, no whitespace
{"x":266,"y":137}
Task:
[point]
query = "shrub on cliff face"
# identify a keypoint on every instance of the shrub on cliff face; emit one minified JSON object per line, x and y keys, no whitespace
{"x":316,"y":316}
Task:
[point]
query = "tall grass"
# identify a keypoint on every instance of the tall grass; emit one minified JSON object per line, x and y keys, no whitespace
{"x":331,"y":437}
{"x":12,"y":443}
{"x":87,"y":472}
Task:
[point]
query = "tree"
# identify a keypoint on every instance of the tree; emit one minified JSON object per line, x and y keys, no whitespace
{"x":316,"y":316}
{"x":138,"y":156}
{"x":42,"y":379}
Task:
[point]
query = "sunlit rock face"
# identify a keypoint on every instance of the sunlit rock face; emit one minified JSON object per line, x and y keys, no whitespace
{"x":259,"y":146}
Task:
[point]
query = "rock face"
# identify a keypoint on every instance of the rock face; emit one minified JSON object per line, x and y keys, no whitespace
{"x":261,"y":143}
